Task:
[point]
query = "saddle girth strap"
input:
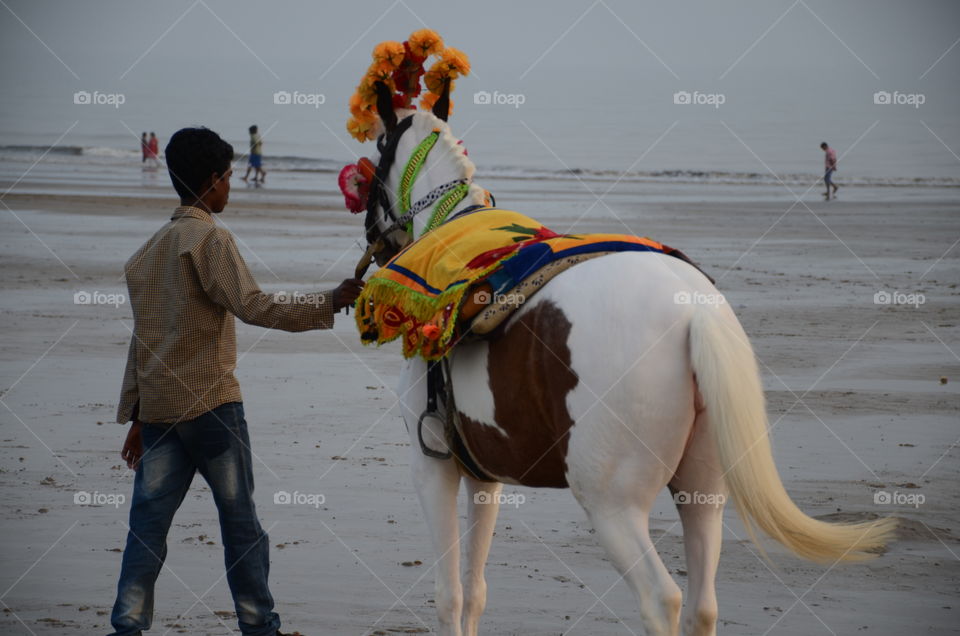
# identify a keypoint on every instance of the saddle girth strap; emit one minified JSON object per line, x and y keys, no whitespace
{"x":440,"y":387}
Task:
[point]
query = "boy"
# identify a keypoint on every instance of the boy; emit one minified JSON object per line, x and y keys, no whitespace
{"x":255,"y":159}
{"x":186,"y":284}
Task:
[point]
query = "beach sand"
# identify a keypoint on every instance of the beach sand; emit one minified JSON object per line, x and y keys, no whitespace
{"x":864,"y":398}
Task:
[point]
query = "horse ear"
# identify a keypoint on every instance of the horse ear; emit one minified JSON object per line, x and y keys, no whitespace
{"x":441,"y":108}
{"x":385,"y":105}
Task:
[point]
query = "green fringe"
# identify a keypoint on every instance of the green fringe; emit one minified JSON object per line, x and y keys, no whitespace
{"x":449,"y":201}
{"x":424,"y":308}
{"x":412,"y":169}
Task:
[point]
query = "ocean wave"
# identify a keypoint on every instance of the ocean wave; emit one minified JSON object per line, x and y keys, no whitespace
{"x":718,"y":177}
{"x":295,"y":163}
{"x":26,"y":152}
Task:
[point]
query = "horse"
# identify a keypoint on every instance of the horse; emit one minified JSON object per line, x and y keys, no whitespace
{"x":604,"y":382}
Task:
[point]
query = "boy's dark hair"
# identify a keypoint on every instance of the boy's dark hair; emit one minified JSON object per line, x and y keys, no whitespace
{"x":823,"y":145}
{"x":193,"y":154}
{"x":252,"y":129}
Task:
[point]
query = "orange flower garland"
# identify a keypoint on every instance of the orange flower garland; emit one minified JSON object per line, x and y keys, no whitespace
{"x":389,"y":53}
{"x":425,"y":43}
{"x":399,"y":65}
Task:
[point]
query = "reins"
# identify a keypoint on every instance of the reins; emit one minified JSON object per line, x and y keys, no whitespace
{"x":387,"y":145}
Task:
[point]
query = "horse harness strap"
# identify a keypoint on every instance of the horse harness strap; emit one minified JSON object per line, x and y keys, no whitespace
{"x":434,"y":386}
{"x":412,"y":170}
{"x":437,"y":194}
{"x":440,"y":387}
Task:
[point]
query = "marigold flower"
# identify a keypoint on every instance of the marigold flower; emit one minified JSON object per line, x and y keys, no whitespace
{"x":380,"y":71}
{"x":366,"y":91}
{"x":390,"y":52}
{"x":358,"y":105}
{"x":425,"y":42}
{"x":428,"y":100}
{"x":436,"y":78}
{"x":362,"y":127}
{"x":456,"y":60}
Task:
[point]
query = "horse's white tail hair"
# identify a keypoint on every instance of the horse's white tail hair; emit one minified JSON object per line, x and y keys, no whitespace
{"x":729,"y":383}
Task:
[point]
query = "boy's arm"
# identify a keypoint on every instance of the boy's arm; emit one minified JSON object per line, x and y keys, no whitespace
{"x":228,"y":282}
{"x":129,"y":406}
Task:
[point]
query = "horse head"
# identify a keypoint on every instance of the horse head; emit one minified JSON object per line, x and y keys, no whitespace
{"x":420,"y":174}
{"x":422,"y":177}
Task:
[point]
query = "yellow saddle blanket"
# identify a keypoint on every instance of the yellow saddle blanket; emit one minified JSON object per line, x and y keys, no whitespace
{"x":418,"y":294}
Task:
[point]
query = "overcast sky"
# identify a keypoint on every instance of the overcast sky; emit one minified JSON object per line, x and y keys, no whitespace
{"x":219,"y":61}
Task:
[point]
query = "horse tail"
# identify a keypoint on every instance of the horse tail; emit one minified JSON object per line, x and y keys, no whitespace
{"x":729,"y":383}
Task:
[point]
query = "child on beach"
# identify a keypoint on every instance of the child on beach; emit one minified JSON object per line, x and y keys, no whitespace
{"x":144,"y":148}
{"x":186,"y":284}
{"x":255,"y":159}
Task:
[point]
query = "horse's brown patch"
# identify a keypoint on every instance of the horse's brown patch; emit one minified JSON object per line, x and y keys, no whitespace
{"x":530,"y":376}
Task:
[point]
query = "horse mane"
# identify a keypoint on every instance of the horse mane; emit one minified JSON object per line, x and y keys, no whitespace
{"x":454,"y":152}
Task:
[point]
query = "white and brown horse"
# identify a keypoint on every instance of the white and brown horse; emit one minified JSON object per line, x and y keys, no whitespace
{"x":602,"y":382}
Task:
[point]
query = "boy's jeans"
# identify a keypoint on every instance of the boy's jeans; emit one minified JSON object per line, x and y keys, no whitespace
{"x":216,"y":444}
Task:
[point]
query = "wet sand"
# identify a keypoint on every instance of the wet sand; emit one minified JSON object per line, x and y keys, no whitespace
{"x":864,"y":398}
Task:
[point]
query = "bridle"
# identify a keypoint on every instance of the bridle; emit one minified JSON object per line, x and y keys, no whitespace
{"x":376,"y":238}
{"x":387,"y":145}
{"x":384,"y":244}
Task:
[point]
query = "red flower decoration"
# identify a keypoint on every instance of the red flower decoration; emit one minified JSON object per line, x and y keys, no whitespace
{"x":407,"y":78}
{"x":354,"y":182}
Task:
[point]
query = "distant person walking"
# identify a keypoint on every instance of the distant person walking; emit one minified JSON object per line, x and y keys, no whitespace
{"x":255,"y":158}
{"x":830,"y":166}
{"x":144,"y":148}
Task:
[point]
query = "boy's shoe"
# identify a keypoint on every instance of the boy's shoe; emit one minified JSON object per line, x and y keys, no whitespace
{"x":289,"y":634}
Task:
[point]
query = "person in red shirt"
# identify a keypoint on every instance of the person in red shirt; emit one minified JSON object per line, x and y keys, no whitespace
{"x":153,"y":146}
{"x":829,"y":167}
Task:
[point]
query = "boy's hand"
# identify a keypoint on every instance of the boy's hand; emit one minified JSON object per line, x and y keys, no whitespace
{"x":133,"y":446}
{"x":346,"y":293}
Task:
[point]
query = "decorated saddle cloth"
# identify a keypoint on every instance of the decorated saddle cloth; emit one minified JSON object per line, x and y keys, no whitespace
{"x":419,"y":293}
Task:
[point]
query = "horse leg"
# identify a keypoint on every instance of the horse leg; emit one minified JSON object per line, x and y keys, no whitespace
{"x":618,"y":495}
{"x":624,"y":533}
{"x":437,"y":482}
{"x":699,"y":484}
{"x":482,"y":508}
